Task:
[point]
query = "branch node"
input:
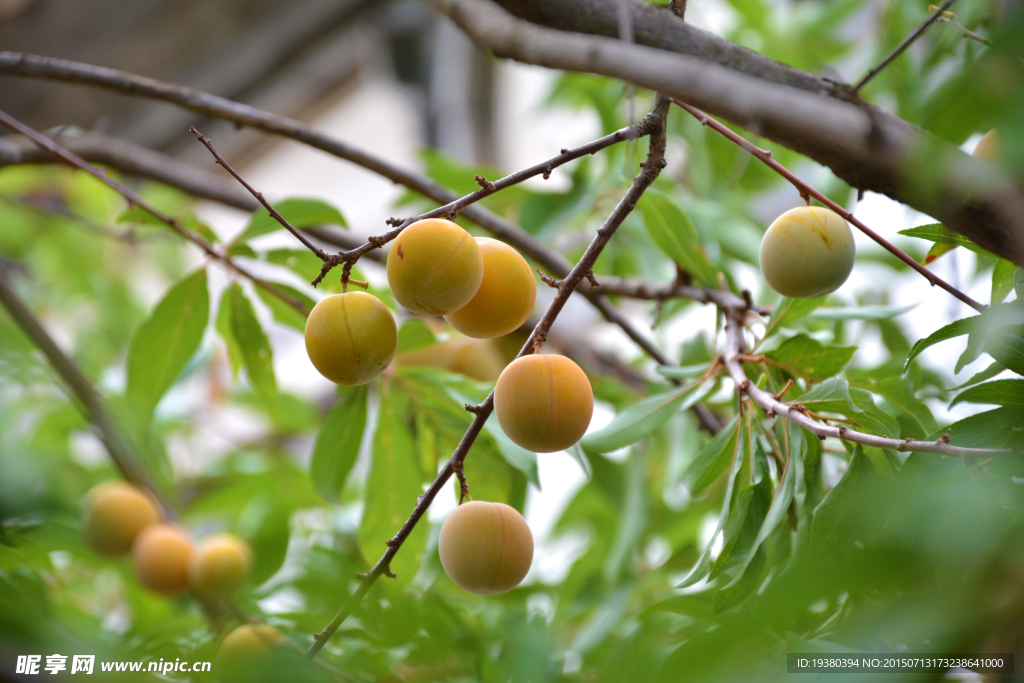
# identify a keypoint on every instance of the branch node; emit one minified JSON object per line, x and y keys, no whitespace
{"x":484,"y":183}
{"x":388,"y":573}
{"x":944,"y":438}
{"x":592,"y":279}
{"x":377,"y":241}
{"x":393,"y":222}
{"x":549,"y":281}
{"x":392,"y":542}
{"x":547,"y":172}
{"x":538,"y":341}
{"x":475,"y":409}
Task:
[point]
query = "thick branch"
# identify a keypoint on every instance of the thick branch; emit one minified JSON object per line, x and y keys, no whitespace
{"x":734,"y":348}
{"x":863,"y":145}
{"x":130,"y":159}
{"x":651,"y":168}
{"x":70,"y":158}
{"x":21,"y":64}
{"x":82,"y":389}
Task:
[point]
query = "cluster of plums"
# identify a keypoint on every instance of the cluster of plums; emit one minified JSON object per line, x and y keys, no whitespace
{"x":809,"y":251}
{"x":484,"y":289}
{"x":122,"y":519}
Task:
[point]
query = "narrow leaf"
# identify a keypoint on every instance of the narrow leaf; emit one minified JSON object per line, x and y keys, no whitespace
{"x":674,"y":232}
{"x":1002,"y":392}
{"x":337,"y":443}
{"x":392,"y":488}
{"x":787,"y":312}
{"x":956,"y":328}
{"x":414,"y":334}
{"x":714,"y":459}
{"x":165,"y":341}
{"x":639,"y":420}
{"x":253,"y":345}
{"x":937,"y":232}
{"x":1002,"y":280}
{"x":861,"y":312}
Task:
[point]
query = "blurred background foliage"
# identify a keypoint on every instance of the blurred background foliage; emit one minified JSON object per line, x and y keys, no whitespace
{"x":684,"y":556}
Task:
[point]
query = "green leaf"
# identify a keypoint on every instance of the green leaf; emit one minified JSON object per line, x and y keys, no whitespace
{"x":980,"y":376}
{"x":1002,"y":280}
{"x":223,"y":327}
{"x":861,"y":312}
{"x":937,"y":232}
{"x":787,"y":312}
{"x":870,"y":417}
{"x":164,"y":342}
{"x":831,"y":396}
{"x":700,"y":569}
{"x":830,"y":513}
{"x":193,"y":224}
{"x":999,"y":428}
{"x":1002,"y":392}
{"x":714,"y":459}
{"x":392,"y":488}
{"x":1008,"y":349}
{"x":337,"y":443}
{"x":639,"y":420}
{"x":957,"y":328}
{"x":252,"y":345}
{"x":283,"y":312}
{"x":414,"y":334}
{"x":300,"y":213}
{"x":936,"y":251}
{"x":672,"y":230}
{"x":807,"y":357}
{"x":515,"y":455}
{"x":899,"y":392}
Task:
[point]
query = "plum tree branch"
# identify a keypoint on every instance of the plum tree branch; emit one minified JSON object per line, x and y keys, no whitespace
{"x":33,"y":66}
{"x":654,"y":125}
{"x":865,"y":146}
{"x":733,"y":358}
{"x":806,"y":190}
{"x":320,"y":253}
{"x":74,"y":160}
{"x":131,"y":159}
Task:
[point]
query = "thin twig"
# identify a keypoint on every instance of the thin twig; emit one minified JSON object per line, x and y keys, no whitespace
{"x":133,"y":198}
{"x":901,"y":47}
{"x":964,"y":31}
{"x":735,"y":320}
{"x":653,"y":124}
{"x":320,"y":253}
{"x":806,"y":190}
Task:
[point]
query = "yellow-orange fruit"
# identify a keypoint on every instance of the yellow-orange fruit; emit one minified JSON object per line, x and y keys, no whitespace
{"x":219,"y":565}
{"x":248,"y":649}
{"x":807,"y":252}
{"x":115,"y":514}
{"x":434,"y":267}
{"x":544,"y":402}
{"x":477,"y":359}
{"x":506,"y":295}
{"x":351,"y":338}
{"x":987,"y":148}
{"x":486,"y":548}
{"x":438,"y":355}
{"x":161,"y":554}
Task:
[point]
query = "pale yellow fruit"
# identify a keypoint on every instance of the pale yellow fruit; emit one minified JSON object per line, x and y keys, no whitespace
{"x":987,"y":148}
{"x":506,"y":295}
{"x":249,"y":650}
{"x":115,"y":514}
{"x":219,"y":565}
{"x":351,"y":338}
{"x":486,"y":548}
{"x":434,"y":267}
{"x":161,"y":554}
{"x":544,"y":402}
{"x":807,"y":252}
